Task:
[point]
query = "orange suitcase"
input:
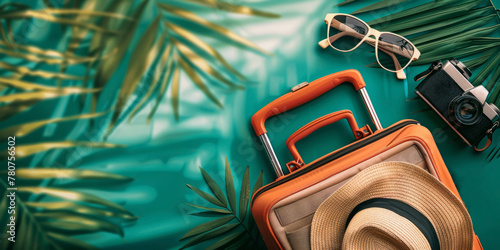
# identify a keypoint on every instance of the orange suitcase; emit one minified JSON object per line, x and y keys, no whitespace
{"x":283,"y":209}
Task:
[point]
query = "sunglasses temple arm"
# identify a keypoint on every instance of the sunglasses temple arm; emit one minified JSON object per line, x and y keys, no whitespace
{"x":324,"y":43}
{"x":399,"y":70}
{"x":389,"y":48}
{"x":340,"y":26}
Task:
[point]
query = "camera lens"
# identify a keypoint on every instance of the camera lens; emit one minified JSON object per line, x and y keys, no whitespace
{"x":466,"y":110}
{"x":461,"y":68}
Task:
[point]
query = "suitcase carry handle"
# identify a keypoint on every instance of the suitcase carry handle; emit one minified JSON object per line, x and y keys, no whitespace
{"x":304,"y":93}
{"x":317,"y":124}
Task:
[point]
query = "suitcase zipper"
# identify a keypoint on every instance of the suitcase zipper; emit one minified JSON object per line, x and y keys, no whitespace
{"x":336,"y":155}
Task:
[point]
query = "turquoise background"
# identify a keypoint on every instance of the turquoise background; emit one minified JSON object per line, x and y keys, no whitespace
{"x":165,"y":155}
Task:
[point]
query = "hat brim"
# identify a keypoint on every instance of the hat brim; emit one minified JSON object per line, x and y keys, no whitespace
{"x":399,"y":181}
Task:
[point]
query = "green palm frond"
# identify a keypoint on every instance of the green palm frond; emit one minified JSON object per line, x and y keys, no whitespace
{"x":96,"y":39}
{"x":233,"y":224}
{"x":30,"y":149}
{"x":50,"y":221}
{"x":451,"y":28}
{"x":175,"y":37}
{"x":187,"y":43}
{"x":378,"y":6}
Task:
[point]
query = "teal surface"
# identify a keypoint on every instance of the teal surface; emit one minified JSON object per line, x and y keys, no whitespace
{"x":165,"y":155}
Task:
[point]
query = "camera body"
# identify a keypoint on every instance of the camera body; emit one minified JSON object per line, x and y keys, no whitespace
{"x":447,"y":90}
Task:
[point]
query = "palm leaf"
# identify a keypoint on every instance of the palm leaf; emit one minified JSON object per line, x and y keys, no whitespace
{"x":45,"y":225}
{"x":175,"y":92}
{"x":23,"y":85}
{"x":117,"y":44}
{"x":465,"y":36}
{"x":485,"y":40}
{"x":10,"y":33}
{"x":487,"y":71}
{"x":244,"y":194}
{"x":185,"y":14}
{"x":478,"y":61}
{"x":231,"y":193}
{"x":241,"y":243}
{"x":38,"y":73}
{"x":78,"y":34}
{"x":210,"y":235}
{"x":75,"y":224}
{"x":214,"y":187}
{"x":30,"y":149}
{"x":202,"y":64}
{"x":144,"y":52}
{"x":493,"y":80}
{"x":69,"y":242}
{"x":47,"y":60}
{"x":206,"y":196}
{"x":495,"y":96}
{"x":450,"y":22}
{"x":76,"y":208}
{"x":10,"y":110}
{"x":205,"y":227}
{"x":226,"y":240}
{"x":47,"y":173}
{"x":45,"y":95}
{"x":208,"y":214}
{"x":107,"y":67}
{"x":84,"y":12}
{"x":458,"y":52}
{"x":235,"y":8}
{"x":41,"y":14}
{"x":96,"y":36}
{"x":24,"y":223}
{"x":378,"y":5}
{"x":18,"y":6}
{"x":346,"y":2}
{"x":198,"y":82}
{"x":256,"y":187}
{"x":163,"y":89}
{"x":216,"y":227}
{"x":159,"y":67}
{"x":451,"y":28}
{"x":27,"y":128}
{"x":214,"y":210}
{"x":440,"y":34}
{"x":258,"y":184}
{"x":5,"y":38}
{"x":203,"y":46}
{"x":430,"y":16}
{"x":71,"y":196}
{"x":45,"y":53}
{"x":424,"y":8}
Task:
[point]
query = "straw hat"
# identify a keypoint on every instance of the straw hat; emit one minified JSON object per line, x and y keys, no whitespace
{"x":392,"y":205}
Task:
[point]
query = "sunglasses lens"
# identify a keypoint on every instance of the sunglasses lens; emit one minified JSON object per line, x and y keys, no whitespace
{"x":346,"y":32}
{"x":394,"y":52}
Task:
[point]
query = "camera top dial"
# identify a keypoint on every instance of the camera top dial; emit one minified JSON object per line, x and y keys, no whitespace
{"x":461,"y":68}
{"x":494,"y":107}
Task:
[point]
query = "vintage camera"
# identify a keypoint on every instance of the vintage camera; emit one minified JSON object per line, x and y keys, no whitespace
{"x":447,"y":90}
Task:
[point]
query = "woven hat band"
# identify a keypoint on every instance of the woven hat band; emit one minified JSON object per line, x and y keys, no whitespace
{"x":404,"y":210}
{"x":379,"y":228}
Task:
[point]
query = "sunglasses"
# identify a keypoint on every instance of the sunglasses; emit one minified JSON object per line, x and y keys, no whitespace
{"x":346,"y":32}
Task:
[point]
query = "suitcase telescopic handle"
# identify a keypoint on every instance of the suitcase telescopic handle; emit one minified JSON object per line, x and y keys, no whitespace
{"x":304,"y":93}
{"x":317,"y":124}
